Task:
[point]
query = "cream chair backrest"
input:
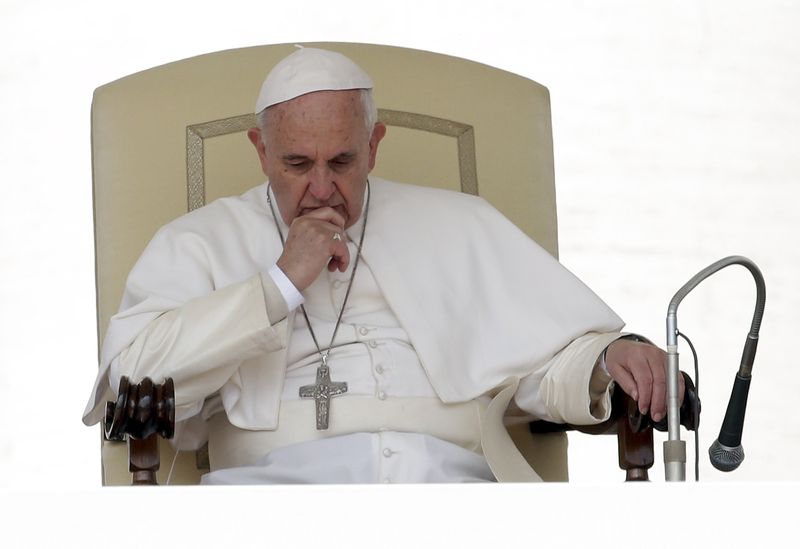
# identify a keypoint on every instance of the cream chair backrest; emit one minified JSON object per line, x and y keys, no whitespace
{"x":172,"y":138}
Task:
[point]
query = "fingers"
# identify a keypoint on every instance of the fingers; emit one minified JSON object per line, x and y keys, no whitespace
{"x":324,"y":214}
{"x":624,"y":379}
{"x":332,"y":224}
{"x":337,"y":247}
{"x":640,"y":370}
{"x":340,"y":255}
{"x":311,"y":245}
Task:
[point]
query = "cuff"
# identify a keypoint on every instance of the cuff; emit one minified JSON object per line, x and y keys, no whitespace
{"x":288,"y":290}
{"x":278,"y":301}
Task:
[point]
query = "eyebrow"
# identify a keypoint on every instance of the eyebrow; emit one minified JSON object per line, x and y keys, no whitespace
{"x":291,"y":157}
{"x":344,"y":156}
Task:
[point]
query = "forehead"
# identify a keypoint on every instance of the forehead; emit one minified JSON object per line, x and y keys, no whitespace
{"x":323,"y":109}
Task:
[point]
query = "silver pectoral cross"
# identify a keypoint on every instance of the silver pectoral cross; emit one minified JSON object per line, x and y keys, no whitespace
{"x":322,"y":391}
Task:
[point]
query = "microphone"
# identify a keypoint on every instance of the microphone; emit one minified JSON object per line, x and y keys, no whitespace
{"x":726,"y":453}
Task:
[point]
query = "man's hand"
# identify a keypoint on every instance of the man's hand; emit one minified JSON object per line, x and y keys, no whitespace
{"x":641,"y":370}
{"x":310,"y":246}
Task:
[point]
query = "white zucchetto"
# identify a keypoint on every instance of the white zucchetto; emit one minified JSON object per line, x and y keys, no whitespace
{"x":309,"y":70}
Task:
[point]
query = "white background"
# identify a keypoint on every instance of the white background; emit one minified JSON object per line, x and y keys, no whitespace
{"x":677,"y":142}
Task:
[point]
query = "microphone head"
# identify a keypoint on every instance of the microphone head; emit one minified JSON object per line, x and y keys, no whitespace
{"x":725,"y":458}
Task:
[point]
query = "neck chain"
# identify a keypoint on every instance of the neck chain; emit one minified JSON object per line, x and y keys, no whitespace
{"x":324,"y":388}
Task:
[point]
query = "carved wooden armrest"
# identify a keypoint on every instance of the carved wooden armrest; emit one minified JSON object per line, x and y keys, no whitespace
{"x":142,"y":413}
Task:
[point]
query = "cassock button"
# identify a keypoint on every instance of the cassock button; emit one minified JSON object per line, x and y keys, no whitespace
{"x":387,"y":453}
{"x":382,"y":395}
{"x":379,"y":369}
{"x":363,"y":331}
{"x":373,"y":343}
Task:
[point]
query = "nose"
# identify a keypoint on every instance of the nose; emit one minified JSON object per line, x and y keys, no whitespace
{"x":321,"y":184}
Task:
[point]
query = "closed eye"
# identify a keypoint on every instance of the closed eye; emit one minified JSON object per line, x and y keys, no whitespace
{"x":297,"y":162}
{"x":341,"y":161}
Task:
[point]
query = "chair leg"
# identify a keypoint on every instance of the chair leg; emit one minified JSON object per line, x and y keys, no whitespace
{"x":144,"y":459}
{"x":635,"y":450}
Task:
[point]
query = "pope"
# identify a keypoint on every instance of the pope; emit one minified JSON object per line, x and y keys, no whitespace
{"x":331,"y":326}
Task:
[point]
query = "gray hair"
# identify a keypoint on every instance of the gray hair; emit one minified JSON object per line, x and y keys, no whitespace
{"x":370,"y":114}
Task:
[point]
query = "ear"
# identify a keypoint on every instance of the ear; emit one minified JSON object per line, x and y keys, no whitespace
{"x":254,"y":135}
{"x":378,"y":132}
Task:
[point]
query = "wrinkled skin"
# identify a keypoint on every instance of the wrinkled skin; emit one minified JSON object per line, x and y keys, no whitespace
{"x":640,"y":369}
{"x":317,"y":153}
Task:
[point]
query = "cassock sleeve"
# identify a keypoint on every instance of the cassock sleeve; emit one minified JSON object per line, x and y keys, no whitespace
{"x":197,"y":308}
{"x":201,"y":343}
{"x":571,"y":387}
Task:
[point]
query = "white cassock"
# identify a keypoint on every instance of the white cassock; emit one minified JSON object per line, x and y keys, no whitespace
{"x":451,"y":307}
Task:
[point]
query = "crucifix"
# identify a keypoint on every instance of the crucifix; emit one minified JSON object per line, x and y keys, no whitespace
{"x":322,"y":391}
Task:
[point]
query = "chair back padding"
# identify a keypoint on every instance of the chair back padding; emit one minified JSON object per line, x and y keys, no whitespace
{"x":172,"y":138}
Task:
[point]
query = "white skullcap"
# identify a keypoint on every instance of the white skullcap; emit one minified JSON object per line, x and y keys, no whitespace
{"x":309,"y":70}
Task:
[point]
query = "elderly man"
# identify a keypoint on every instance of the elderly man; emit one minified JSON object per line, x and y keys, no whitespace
{"x":328,"y":326}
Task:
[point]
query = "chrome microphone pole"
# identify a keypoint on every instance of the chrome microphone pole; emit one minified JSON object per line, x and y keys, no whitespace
{"x":726,"y":453}
{"x":674,"y":447}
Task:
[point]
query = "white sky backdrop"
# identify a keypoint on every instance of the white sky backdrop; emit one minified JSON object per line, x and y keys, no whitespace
{"x":676,"y":132}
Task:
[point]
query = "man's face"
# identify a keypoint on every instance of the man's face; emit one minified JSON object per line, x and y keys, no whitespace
{"x":317,"y":152}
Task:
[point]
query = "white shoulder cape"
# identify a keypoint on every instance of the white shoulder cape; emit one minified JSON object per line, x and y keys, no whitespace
{"x":480,"y":300}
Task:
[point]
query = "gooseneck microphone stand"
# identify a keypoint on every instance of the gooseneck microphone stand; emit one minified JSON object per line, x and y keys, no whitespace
{"x":726,"y":453}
